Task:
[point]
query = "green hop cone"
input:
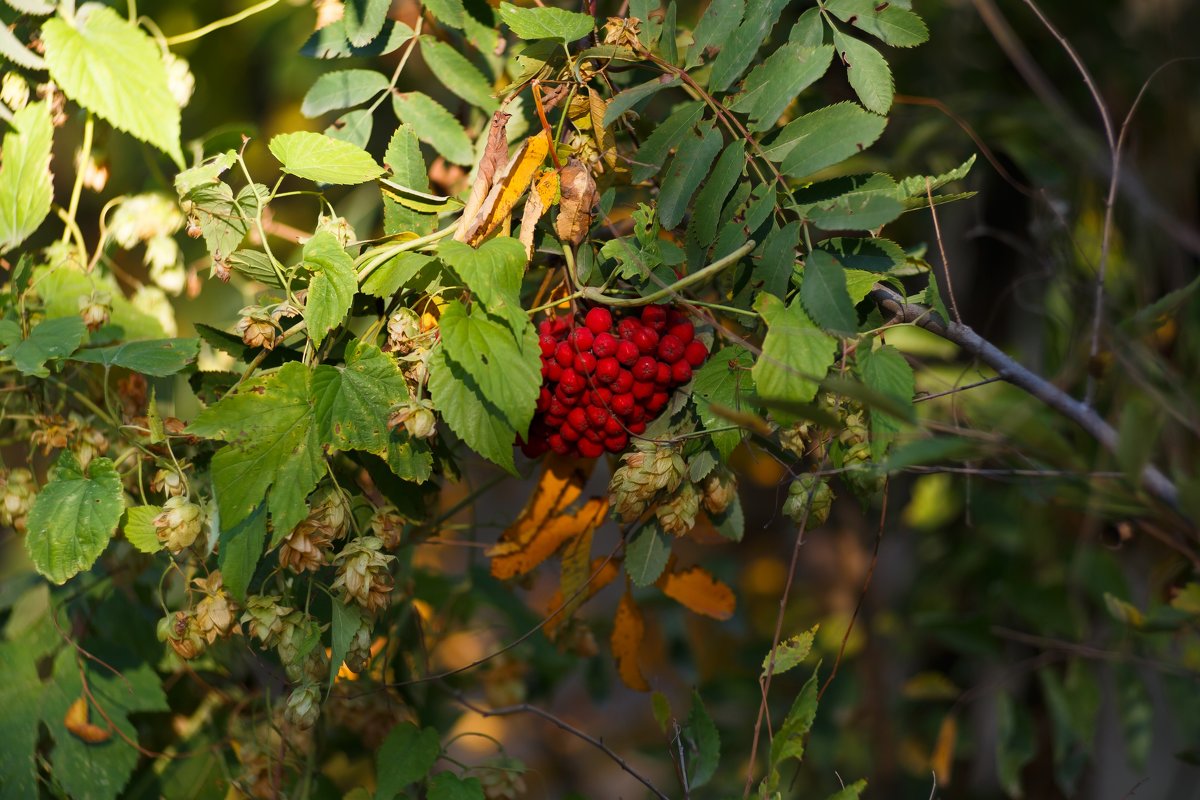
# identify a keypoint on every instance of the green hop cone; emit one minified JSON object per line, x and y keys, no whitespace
{"x":304,"y":706}
{"x":809,"y":500}
{"x":264,"y":617}
{"x":677,"y":515}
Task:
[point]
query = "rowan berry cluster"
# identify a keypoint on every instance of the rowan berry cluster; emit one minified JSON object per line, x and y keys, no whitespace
{"x":605,"y":380}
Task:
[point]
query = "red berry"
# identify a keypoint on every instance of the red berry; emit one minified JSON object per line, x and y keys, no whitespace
{"x":624,"y":382}
{"x":597,"y":416}
{"x":578,"y":419}
{"x":545,"y":327}
{"x":569,"y":433}
{"x":572,"y":382}
{"x":565,"y":398}
{"x":581,"y":339}
{"x":560,"y":325}
{"x":613,"y":426}
{"x":607,"y":370}
{"x":695,"y":353}
{"x":554,"y":372}
{"x":604,"y":345}
{"x":592,"y":435}
{"x":627,"y":327}
{"x":558,"y":444}
{"x":616,"y":443}
{"x":590,"y":449}
{"x":662,"y":375}
{"x":655,"y":317}
{"x":553,"y":421}
{"x":584,"y":363}
{"x":622,"y":405}
{"x":544,"y":398}
{"x":681,"y":372}
{"x":645,"y":369}
{"x":657,"y":402}
{"x":602,"y":396}
{"x":547,"y":343}
{"x":683,"y":331}
{"x":585,"y":399}
{"x":642,"y":390}
{"x":564,"y":354}
{"x":627,"y":353}
{"x":670,"y":348}
{"x":638,"y":414}
{"x":598,"y":320}
{"x":637,"y":428}
{"x":646,"y":340}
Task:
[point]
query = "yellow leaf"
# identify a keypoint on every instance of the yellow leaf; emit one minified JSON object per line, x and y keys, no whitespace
{"x":544,"y":194}
{"x":943,"y":751}
{"x":509,"y":187}
{"x":603,"y":136}
{"x":628,"y":631}
{"x":698,"y":591}
{"x":76,"y":721}
{"x":510,"y":559}
{"x":604,"y":571}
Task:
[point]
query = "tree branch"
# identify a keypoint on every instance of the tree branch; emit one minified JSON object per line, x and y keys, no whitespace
{"x":1153,"y":480}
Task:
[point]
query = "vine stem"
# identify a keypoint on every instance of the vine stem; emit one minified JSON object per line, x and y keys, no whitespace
{"x":224,"y":22}
{"x":597,"y":296}
{"x":85,"y":154}
{"x":375,"y":258}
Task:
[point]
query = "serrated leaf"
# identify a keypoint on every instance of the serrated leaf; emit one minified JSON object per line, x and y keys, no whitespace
{"x":809,"y":29}
{"x":546,"y":23}
{"x":351,"y":402}
{"x":274,"y":447}
{"x":789,"y":740}
{"x":256,"y":266}
{"x":493,"y":272}
{"x":435,"y":126}
{"x":646,"y":555}
{"x":363,"y":20}
{"x":405,"y":271}
{"x":241,"y":547}
{"x":111,"y":67}
{"x":331,"y":41}
{"x":824,"y":294}
{"x":698,"y":591}
{"x":789,"y":653}
{"x":404,"y":159}
{"x":853,"y":202}
{"x":628,"y":98}
{"x":824,"y":137}
{"x":343,"y":626}
{"x":323,"y":159}
{"x":885,"y":370}
{"x":448,"y":786}
{"x":773,"y":84}
{"x":26,"y":186}
{"x":683,"y":177}
{"x":895,"y":26}
{"x":139,"y":528}
{"x":49,"y":339}
{"x":721,"y":18}
{"x":405,"y":757}
{"x":706,"y":211}
{"x":354,"y":127}
{"x":343,"y":88}
{"x":796,"y":354}
{"x":458,"y":74}
{"x":706,"y":740}
{"x":867,"y":71}
{"x":223,"y":220}
{"x":744,"y":43}
{"x":654,"y":151}
{"x":159,"y":357}
{"x":73,"y":517}
{"x":331,"y":290}
{"x":725,"y":381}
{"x":869,"y":255}
{"x":915,"y":185}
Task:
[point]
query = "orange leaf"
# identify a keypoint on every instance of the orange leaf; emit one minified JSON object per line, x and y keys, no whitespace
{"x":509,"y":186}
{"x":545,"y":190}
{"x":943,"y":752}
{"x":604,"y":570}
{"x":576,"y":204}
{"x":495,"y":154}
{"x":510,"y":560}
{"x":76,"y":721}
{"x":698,"y":591}
{"x":560,"y":485}
{"x":628,"y":630}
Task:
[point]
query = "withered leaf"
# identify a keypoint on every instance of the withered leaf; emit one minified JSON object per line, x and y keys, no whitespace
{"x":495,"y":155}
{"x":697,"y":590}
{"x":508,"y":186}
{"x":76,"y":721}
{"x":628,"y":631}
{"x":578,"y":200}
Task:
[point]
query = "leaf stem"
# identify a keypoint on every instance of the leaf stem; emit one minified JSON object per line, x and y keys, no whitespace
{"x":85,"y":154}
{"x":224,"y":22}
{"x":597,"y":296}
{"x":376,"y":257}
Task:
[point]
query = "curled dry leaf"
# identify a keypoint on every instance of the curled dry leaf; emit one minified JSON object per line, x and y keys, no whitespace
{"x":508,"y":186}
{"x":942,"y":757}
{"x":605,"y":572}
{"x":698,"y":591}
{"x":495,"y":155}
{"x":628,"y":631}
{"x":510,"y":560}
{"x":578,"y":200}
{"x":544,"y":195}
{"x":76,"y":721}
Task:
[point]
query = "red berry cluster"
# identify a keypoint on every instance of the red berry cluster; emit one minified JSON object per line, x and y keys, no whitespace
{"x":601,"y":384}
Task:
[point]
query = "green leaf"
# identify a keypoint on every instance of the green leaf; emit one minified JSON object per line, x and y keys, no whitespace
{"x":744,"y":43}
{"x":720,"y":19}
{"x":809,"y":29}
{"x":256,"y":266}
{"x":50,"y":338}
{"x":492,"y":272}
{"x":15,"y":51}
{"x":915,"y":186}
{"x":354,"y":127}
{"x":139,"y":528}
{"x":773,"y":84}
{"x":706,"y":212}
{"x":661,"y":707}
{"x":405,"y":757}
{"x":435,"y":126}
{"x":448,"y":786}
{"x":824,"y":294}
{"x":402,"y":272}
{"x":1016,"y":743}
{"x":206,"y":173}
{"x":790,"y":653}
{"x":363,"y":20}
{"x":352,"y":401}
{"x":654,"y":151}
{"x":706,"y":740}
{"x":506,"y":369}
{"x":343,"y":88}
{"x":223,"y":220}
{"x":789,"y":740}
{"x":683,"y":177}
{"x":241,"y":548}
{"x":20,"y":696}
{"x":627,"y":99}
{"x":404,"y":159}
{"x":331,"y":290}
{"x":725,"y":381}
{"x":885,"y":21}
{"x":776,"y":258}
{"x":868,"y":255}
{"x":159,"y":358}
{"x":74,"y":516}
{"x":886,"y":371}
{"x":1137,"y":717}
{"x":449,"y":12}
{"x":274,"y":447}
{"x":546,"y":23}
{"x":853,"y":202}
{"x":796,"y":354}
{"x":111,"y":67}
{"x":825,"y":137}
{"x":851,"y":792}
{"x":26,"y":188}
{"x":331,"y":41}
{"x":345,"y":623}
{"x":323,"y":159}
{"x":868,"y":72}
{"x":458,"y":74}
{"x":646,"y":555}
{"x":469,"y":412}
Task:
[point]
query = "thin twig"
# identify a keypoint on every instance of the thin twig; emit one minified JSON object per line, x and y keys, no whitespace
{"x":922,"y":398}
{"x":937,"y":233}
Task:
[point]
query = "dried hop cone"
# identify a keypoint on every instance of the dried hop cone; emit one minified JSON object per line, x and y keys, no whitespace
{"x":264,"y":616}
{"x":403,"y":332}
{"x":503,"y":779}
{"x":809,"y":500}
{"x":644,"y":473}
{"x":179,"y":523}
{"x":677,"y":515}
{"x":359,"y":654}
{"x":256,"y":328}
{"x":718,"y":490}
{"x":304,"y":705}
{"x":417,"y":417}
{"x":362,"y":573}
{"x":299,"y":648}
{"x":88,"y":444}
{"x":388,"y":524}
{"x":216,"y":613}
{"x":329,"y":512}
{"x":95,"y":309}
{"x":182,"y":632}
{"x":168,"y":482}
{"x":17,"y":493}
{"x":804,"y":439}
